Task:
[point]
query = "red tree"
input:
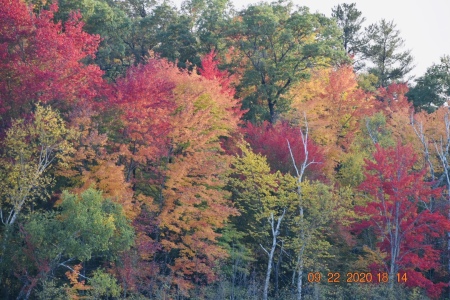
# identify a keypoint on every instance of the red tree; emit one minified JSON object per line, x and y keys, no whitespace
{"x":42,"y":61}
{"x":145,"y":98}
{"x":400,"y":214}
{"x":271,"y":141}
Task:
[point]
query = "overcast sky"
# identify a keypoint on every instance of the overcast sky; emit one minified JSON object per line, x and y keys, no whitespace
{"x":424,"y":25}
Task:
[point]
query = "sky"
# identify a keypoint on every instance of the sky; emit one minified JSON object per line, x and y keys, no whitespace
{"x":424,"y":25}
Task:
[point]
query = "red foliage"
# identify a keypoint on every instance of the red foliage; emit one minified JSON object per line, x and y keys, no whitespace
{"x":271,"y":141}
{"x":41,"y":60}
{"x":145,"y":98}
{"x":400,"y":215}
{"x":393,"y":97}
{"x":210,"y":71}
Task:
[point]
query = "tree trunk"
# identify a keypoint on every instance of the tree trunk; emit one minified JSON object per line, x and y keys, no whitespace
{"x":277,"y":269}
{"x":275,"y":233}
{"x":300,"y":279}
{"x":271,"y":111}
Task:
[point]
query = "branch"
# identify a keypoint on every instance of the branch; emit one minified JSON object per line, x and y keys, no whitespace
{"x":372,"y":137}
{"x":78,"y":273}
{"x":264,"y":249}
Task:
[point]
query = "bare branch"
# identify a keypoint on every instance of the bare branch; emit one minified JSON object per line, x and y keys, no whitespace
{"x":78,"y":273}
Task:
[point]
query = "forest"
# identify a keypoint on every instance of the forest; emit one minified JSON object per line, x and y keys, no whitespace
{"x":203,"y":152}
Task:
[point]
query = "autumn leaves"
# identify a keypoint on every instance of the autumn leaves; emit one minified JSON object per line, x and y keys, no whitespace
{"x":152,"y":184}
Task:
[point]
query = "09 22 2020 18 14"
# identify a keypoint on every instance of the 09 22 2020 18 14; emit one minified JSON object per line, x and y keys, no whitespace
{"x":355,"y":277}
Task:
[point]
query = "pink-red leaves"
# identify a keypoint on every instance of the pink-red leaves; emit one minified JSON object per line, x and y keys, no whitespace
{"x":42,"y":61}
{"x":400,"y":214}
{"x":271,"y":141}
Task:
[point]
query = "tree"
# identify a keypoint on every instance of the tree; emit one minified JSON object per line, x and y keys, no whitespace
{"x":264,"y":199}
{"x":211,"y":19}
{"x":401,"y":215}
{"x":349,"y":19}
{"x":107,"y":19}
{"x":335,"y":105}
{"x":178,"y":44}
{"x":383,"y":50}
{"x":278,"y":47}
{"x":433,"y":132}
{"x":144,"y":97}
{"x":433,"y":88}
{"x":84,"y":228}
{"x":39,"y":61}
{"x":30,"y":149}
{"x":193,"y":204}
{"x":270,"y":140}
{"x":92,"y":164}
{"x":311,"y":214}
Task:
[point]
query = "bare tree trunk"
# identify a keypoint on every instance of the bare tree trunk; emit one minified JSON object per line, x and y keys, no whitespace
{"x":275,"y":233}
{"x":300,"y":277}
{"x":277,"y":269}
{"x":300,"y":172}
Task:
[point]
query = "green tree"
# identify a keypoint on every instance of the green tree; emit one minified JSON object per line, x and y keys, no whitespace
{"x":178,"y":43}
{"x":278,"y":46}
{"x":210,"y":19}
{"x":433,"y":88}
{"x":384,"y":51}
{"x":349,"y":19}
{"x":84,"y":228}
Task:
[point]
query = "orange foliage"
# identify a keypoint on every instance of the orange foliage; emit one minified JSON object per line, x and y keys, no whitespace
{"x":398,"y":111}
{"x":334,"y":105}
{"x":194,"y":205}
{"x":178,"y":117}
{"x":76,"y":284}
{"x":93,"y":166}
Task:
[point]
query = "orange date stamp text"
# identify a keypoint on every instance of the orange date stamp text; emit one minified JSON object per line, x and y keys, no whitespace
{"x":355,"y":277}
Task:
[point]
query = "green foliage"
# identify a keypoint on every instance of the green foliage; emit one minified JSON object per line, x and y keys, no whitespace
{"x":211,"y":19}
{"x":258,"y":192}
{"x":351,"y":169}
{"x":279,"y":46}
{"x":111,"y":23}
{"x":309,"y":231}
{"x":367,"y":82}
{"x":349,"y":19}
{"x":373,"y":130}
{"x":433,"y":88}
{"x":51,"y":291}
{"x":177,"y":43}
{"x":103,"y":286}
{"x":384,"y":50}
{"x":83,"y":228}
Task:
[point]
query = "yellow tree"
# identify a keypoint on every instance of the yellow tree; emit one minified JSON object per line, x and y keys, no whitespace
{"x":335,"y":105}
{"x":264,"y":198}
{"x":30,"y":148}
